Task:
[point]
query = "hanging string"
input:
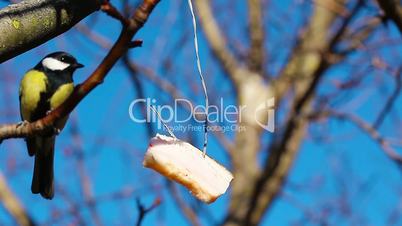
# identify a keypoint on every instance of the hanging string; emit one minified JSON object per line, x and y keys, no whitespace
{"x":164,"y":124}
{"x":202,"y":78}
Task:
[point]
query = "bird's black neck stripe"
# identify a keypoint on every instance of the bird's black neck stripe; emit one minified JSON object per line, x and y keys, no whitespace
{"x":57,"y":79}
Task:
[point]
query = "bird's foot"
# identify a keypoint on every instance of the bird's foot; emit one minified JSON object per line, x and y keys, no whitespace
{"x":48,"y":112}
{"x":23,"y":123}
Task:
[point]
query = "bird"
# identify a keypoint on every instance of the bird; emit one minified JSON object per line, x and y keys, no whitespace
{"x":42,"y":89}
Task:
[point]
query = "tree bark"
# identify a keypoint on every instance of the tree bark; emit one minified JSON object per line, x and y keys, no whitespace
{"x":28,"y":24}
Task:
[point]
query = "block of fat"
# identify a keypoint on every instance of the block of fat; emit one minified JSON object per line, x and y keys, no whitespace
{"x":182,"y":162}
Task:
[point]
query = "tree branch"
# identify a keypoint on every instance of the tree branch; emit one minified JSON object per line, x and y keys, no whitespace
{"x":216,"y":40}
{"x":110,"y":10}
{"x":138,"y":87}
{"x":28,"y":24}
{"x":391,"y":100}
{"x":96,"y":78}
{"x":12,"y":204}
{"x":365,"y":127}
{"x":305,"y":70}
{"x":190,"y":215}
{"x":85,"y":180}
{"x":256,"y":30}
{"x":143,"y":211}
{"x":393,"y":11}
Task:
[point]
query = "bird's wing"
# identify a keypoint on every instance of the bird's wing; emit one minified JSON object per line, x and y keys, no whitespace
{"x":33,"y":103}
{"x":32,"y":88}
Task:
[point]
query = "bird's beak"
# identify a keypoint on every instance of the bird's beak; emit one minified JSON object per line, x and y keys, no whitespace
{"x":78,"y":65}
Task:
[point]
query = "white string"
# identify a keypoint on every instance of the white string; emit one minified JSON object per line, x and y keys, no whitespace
{"x":190,"y":5}
{"x":164,"y":124}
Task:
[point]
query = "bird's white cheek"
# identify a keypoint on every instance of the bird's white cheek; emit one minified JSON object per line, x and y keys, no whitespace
{"x":54,"y":64}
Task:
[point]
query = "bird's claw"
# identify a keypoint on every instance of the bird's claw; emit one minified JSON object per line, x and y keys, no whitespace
{"x":48,"y":112}
{"x":23,"y":123}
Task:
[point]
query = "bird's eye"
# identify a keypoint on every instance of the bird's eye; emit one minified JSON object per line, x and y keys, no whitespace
{"x":62,"y":58}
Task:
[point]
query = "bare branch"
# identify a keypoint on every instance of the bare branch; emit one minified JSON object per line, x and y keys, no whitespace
{"x":110,"y":10}
{"x":216,"y":40}
{"x":256,"y":30}
{"x":85,"y":180}
{"x":305,"y":70}
{"x":365,"y":127}
{"x":13,"y":205}
{"x":391,"y":100}
{"x":133,"y":71}
{"x":189,"y":213}
{"x":393,"y":11}
{"x":93,"y":36}
{"x":143,"y":211}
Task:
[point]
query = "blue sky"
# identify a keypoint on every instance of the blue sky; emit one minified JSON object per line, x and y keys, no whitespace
{"x":349,"y":166}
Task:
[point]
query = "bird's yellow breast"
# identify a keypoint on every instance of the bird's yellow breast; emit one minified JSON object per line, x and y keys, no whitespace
{"x":32,"y":85}
{"x":61,"y":94}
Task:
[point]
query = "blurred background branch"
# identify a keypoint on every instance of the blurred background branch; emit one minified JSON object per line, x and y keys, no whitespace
{"x":13,"y":205}
{"x":393,"y":11}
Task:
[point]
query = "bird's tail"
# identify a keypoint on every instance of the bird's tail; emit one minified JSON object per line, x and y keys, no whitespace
{"x":42,"y":180}
{"x":31,"y":145}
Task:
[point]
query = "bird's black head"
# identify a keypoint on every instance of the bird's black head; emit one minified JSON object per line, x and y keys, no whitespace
{"x":59,"y":61}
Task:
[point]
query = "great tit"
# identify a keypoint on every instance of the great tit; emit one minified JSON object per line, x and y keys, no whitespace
{"x":43,"y":89}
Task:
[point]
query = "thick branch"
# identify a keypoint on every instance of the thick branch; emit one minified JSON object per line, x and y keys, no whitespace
{"x":119,"y":48}
{"x":28,"y":24}
{"x":305,"y":70}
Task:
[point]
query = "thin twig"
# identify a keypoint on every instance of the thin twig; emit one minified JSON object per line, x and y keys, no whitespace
{"x":143,"y":211}
{"x":391,"y":100}
{"x":110,"y":10}
{"x":140,"y":93}
{"x":85,"y":180}
{"x":365,"y":127}
{"x":188,"y":212}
